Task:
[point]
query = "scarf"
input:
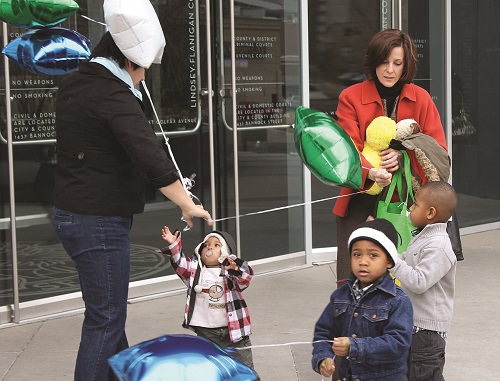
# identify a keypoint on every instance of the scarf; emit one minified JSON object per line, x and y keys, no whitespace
{"x":388,"y":93}
{"x":118,"y":72}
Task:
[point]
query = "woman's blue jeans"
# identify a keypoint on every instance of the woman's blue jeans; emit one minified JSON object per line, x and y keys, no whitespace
{"x":100,"y":249}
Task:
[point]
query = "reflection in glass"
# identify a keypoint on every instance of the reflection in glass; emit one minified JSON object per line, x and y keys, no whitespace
{"x":474,"y":82}
{"x":267,"y":92}
{"x":339,"y":32}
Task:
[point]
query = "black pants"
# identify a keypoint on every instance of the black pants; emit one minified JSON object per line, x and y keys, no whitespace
{"x":427,"y":357}
{"x":220,"y":336}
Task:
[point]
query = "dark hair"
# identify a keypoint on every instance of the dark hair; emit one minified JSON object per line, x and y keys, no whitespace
{"x":106,"y":47}
{"x":380,"y":48}
{"x":441,"y":196}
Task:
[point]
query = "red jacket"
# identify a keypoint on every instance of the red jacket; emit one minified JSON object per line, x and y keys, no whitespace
{"x":359,"y":104}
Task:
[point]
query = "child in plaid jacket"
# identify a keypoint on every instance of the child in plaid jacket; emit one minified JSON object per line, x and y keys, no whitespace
{"x":215,"y":277}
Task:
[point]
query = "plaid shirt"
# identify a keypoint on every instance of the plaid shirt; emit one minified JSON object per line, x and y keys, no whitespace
{"x":444,"y":335}
{"x":189,"y":269}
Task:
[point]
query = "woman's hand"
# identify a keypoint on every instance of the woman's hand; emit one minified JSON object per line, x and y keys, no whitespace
{"x":196,"y":211}
{"x":389,"y":159}
{"x":176,"y":193}
{"x":380,"y":176}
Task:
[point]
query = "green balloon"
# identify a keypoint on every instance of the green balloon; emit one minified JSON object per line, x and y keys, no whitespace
{"x":326,"y":149}
{"x":36,"y":13}
{"x":15,"y":12}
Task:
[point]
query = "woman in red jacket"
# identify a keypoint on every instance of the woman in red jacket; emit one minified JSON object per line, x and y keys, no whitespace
{"x":390,"y":66}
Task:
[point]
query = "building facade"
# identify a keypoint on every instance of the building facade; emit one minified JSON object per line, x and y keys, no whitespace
{"x":228,"y":115}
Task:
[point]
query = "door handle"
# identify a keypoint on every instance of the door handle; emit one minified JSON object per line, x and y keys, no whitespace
{"x":205,"y":92}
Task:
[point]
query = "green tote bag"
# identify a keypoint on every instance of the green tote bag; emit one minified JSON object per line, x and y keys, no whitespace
{"x":397,"y":212}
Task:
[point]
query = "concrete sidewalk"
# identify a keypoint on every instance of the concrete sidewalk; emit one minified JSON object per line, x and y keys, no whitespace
{"x":284,"y":308}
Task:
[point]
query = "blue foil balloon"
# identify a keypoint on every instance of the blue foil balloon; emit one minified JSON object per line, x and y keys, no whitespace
{"x":178,"y":358}
{"x":51,"y":51}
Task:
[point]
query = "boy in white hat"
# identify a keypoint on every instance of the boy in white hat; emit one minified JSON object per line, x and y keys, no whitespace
{"x":369,"y":318}
{"x":215,"y":277}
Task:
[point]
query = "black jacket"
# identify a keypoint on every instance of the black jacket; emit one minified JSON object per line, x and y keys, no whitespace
{"x":107,"y":150}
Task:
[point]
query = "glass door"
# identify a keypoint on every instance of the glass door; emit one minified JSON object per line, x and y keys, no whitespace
{"x":206,"y":89}
{"x":258,"y":88}
{"x":227,"y":114}
{"x":339,"y":32}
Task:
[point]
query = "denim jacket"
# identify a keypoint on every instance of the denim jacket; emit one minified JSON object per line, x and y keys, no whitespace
{"x":379,"y":326}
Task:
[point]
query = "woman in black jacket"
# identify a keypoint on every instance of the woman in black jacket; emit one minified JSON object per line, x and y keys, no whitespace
{"x":107,"y":151}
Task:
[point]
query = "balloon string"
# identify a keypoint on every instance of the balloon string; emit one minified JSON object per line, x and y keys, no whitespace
{"x":190,"y":194}
{"x":88,"y":18}
{"x":241,"y":215}
{"x":287,"y":207}
{"x":187,"y":183}
{"x":284,"y":344}
{"x":165,"y":138}
{"x":184,"y":180}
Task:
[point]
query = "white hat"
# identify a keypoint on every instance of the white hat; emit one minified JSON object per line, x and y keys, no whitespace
{"x":228,"y":248}
{"x":380,"y":231}
{"x":136,"y":30}
{"x":227,"y":242}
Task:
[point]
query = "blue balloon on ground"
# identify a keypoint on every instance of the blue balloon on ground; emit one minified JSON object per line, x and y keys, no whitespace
{"x":51,"y":51}
{"x":178,"y":358}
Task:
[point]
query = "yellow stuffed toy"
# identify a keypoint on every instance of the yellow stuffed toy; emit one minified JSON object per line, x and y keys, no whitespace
{"x":379,"y":134}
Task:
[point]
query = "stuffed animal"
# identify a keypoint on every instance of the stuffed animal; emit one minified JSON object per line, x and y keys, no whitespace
{"x":379,"y":134}
{"x":405,"y":128}
{"x":433,"y":158}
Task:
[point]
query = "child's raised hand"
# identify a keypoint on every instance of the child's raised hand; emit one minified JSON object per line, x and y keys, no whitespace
{"x":167,"y":235}
{"x":232,"y":265}
{"x":326,"y":367}
{"x":341,"y":346}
